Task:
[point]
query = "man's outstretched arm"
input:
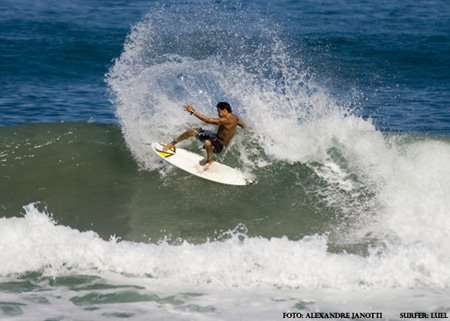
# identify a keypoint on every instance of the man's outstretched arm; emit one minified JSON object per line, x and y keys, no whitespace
{"x":203,"y":118}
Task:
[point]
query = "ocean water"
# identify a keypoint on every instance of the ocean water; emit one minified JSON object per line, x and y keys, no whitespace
{"x":348,"y":102}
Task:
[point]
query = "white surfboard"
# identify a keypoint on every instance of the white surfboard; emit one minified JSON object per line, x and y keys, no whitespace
{"x":190,"y":162}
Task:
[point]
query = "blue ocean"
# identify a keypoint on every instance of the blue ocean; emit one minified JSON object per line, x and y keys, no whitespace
{"x":349,"y":108}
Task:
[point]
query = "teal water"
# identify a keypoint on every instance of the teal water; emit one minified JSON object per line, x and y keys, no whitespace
{"x":80,"y":169}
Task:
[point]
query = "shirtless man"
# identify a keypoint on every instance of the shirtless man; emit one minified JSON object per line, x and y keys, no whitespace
{"x":213,"y":143}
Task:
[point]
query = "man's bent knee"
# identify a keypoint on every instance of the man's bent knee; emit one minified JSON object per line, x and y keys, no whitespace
{"x":207,"y":143}
{"x":193,"y":132}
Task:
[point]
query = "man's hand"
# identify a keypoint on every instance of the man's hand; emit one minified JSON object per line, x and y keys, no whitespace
{"x":189,"y":108}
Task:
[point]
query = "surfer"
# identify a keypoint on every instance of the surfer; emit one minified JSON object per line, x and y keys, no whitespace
{"x":212,"y":142}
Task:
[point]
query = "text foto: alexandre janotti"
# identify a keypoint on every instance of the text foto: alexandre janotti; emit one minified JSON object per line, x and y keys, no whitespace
{"x":333,"y":315}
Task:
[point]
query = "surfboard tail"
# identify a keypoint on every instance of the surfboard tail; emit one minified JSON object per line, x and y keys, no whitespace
{"x":165,"y":153}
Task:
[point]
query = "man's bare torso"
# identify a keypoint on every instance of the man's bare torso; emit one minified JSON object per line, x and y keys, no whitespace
{"x":226,"y":131}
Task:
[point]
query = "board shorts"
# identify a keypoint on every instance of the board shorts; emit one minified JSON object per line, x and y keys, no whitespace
{"x":204,"y":134}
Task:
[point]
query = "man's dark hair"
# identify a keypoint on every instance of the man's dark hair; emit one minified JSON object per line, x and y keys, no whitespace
{"x":224,"y":105}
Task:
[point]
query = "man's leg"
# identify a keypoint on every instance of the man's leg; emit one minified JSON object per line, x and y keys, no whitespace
{"x":208,"y":146}
{"x":189,"y":133}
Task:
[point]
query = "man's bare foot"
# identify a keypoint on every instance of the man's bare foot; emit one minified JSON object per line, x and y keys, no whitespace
{"x":205,"y":162}
{"x":166,"y":147}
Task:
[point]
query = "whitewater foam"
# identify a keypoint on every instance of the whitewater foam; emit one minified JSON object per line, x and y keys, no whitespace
{"x":237,"y":262}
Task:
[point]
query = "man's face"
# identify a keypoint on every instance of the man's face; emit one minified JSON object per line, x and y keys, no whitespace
{"x":221,"y":112}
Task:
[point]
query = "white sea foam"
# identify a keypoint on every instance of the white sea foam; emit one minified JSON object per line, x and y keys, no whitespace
{"x":35,"y":243}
